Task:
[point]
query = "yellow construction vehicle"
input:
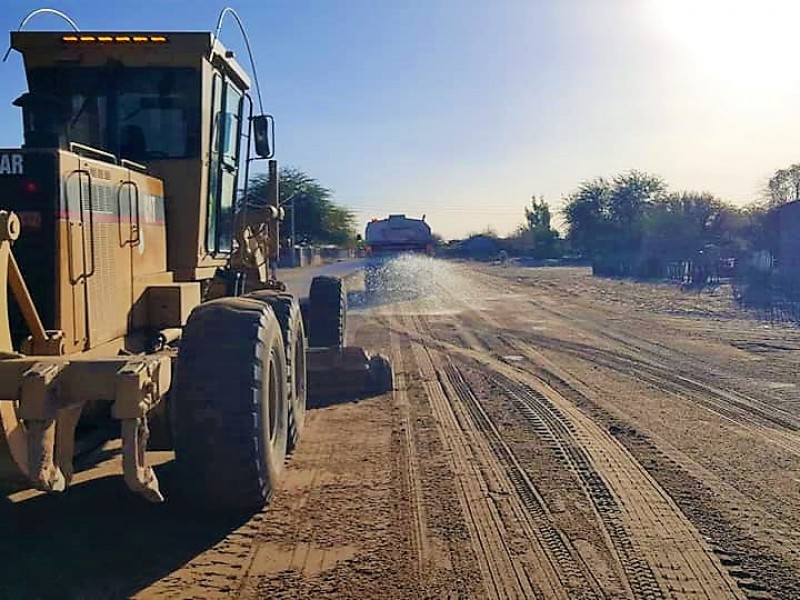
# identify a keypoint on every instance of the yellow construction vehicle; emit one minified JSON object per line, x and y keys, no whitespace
{"x":140,"y":293}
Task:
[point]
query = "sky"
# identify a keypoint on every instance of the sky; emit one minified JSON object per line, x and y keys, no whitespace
{"x":463,"y":109}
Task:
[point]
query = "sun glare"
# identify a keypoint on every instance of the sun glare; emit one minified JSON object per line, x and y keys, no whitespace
{"x":742,"y":43}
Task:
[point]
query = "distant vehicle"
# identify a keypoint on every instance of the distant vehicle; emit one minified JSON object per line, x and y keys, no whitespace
{"x":386,"y":239}
{"x":398,"y":234}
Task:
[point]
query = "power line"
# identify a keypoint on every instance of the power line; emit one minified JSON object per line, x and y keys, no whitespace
{"x":422,"y":209}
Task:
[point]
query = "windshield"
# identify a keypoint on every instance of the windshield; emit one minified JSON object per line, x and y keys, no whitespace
{"x":138,"y":113}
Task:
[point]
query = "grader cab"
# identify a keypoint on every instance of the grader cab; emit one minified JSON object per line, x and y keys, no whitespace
{"x":137,"y":272}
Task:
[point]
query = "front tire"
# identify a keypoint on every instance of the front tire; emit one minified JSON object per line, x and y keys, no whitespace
{"x":230,"y":406}
{"x":287,"y":311}
{"x":327,"y":319}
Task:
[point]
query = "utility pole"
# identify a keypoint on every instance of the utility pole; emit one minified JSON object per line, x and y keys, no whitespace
{"x":294,"y":244}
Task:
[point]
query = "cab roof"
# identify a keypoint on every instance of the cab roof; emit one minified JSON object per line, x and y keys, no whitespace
{"x":132,"y":48}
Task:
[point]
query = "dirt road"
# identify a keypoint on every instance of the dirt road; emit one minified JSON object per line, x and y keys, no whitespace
{"x":551,"y":435}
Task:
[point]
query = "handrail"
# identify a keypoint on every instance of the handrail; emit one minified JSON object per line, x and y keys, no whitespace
{"x":138,"y":240}
{"x":124,"y":185}
{"x":75,"y":278}
{"x":247,"y":151}
{"x":90,"y":187}
{"x":73,"y":146}
{"x":52,"y":11}
{"x":223,"y":12}
{"x":39,"y":11}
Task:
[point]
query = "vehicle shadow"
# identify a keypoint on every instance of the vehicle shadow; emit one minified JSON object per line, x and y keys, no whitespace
{"x":318,"y":402}
{"x":99,"y":540}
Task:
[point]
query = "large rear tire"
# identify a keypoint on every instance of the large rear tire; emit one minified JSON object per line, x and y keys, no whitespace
{"x":327,"y":318}
{"x":230,"y":406}
{"x":287,"y":311}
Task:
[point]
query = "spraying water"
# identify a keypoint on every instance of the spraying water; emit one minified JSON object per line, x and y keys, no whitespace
{"x":419,"y":284}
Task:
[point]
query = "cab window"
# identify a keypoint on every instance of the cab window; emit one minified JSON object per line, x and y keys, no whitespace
{"x":223,"y":176}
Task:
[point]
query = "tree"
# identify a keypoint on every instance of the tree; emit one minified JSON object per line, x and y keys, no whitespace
{"x":632,"y":194}
{"x":607,"y":217}
{"x":535,"y":235}
{"x":587,"y":213}
{"x":682,"y":224}
{"x":753,"y":231}
{"x":784,"y":186}
{"x":538,"y":215}
{"x":318,"y":218}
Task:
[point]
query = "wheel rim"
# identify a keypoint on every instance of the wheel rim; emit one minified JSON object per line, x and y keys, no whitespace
{"x":274,"y":397}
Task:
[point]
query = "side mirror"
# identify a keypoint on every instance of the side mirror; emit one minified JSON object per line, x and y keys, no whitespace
{"x":264,"y":135}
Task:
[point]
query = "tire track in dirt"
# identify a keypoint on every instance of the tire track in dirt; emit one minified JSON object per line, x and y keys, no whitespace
{"x":433,"y":515}
{"x":496,"y":515}
{"x":501,"y":577}
{"x":646,"y":509}
{"x":756,"y":564}
{"x":305,"y":555}
{"x":413,"y":509}
{"x":550,"y":565}
{"x":753,"y":564}
{"x":642,"y":350}
{"x":557,"y":432}
{"x":771,"y":428}
{"x":573,"y":309}
{"x":576,"y":576}
{"x":634,"y":509}
{"x":602,"y":324}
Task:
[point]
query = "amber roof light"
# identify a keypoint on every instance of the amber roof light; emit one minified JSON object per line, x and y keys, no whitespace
{"x":119,"y":39}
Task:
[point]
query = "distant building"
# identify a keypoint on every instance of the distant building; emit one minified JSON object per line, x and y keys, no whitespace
{"x":480,"y":247}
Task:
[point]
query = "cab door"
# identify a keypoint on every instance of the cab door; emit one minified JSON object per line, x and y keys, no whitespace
{"x":226,"y":132}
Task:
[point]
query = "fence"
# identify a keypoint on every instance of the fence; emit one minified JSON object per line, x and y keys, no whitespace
{"x":307,"y":256}
{"x":768,"y":292}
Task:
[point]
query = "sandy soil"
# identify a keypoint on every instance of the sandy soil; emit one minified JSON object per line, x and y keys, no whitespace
{"x":551,"y":435}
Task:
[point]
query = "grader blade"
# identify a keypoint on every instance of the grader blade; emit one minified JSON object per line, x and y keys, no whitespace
{"x":347,"y":372}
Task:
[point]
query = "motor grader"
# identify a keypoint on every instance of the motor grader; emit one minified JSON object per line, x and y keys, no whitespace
{"x":136,"y":294}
